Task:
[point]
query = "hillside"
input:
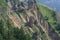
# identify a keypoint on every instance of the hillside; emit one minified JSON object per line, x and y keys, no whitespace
{"x":27,"y":20}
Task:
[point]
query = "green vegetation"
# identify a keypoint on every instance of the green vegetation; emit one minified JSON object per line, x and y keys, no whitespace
{"x":49,"y":15}
{"x":7,"y":29}
{"x":9,"y":32}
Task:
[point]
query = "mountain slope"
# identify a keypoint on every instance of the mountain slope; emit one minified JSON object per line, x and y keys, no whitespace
{"x":36,"y":20}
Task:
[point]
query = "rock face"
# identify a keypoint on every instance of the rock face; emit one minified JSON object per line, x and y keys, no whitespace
{"x":34,"y":20}
{"x":20,"y":5}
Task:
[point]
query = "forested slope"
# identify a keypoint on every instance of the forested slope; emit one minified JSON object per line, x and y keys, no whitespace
{"x":27,"y":20}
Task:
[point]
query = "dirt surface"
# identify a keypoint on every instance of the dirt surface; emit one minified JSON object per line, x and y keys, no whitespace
{"x":14,"y":20}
